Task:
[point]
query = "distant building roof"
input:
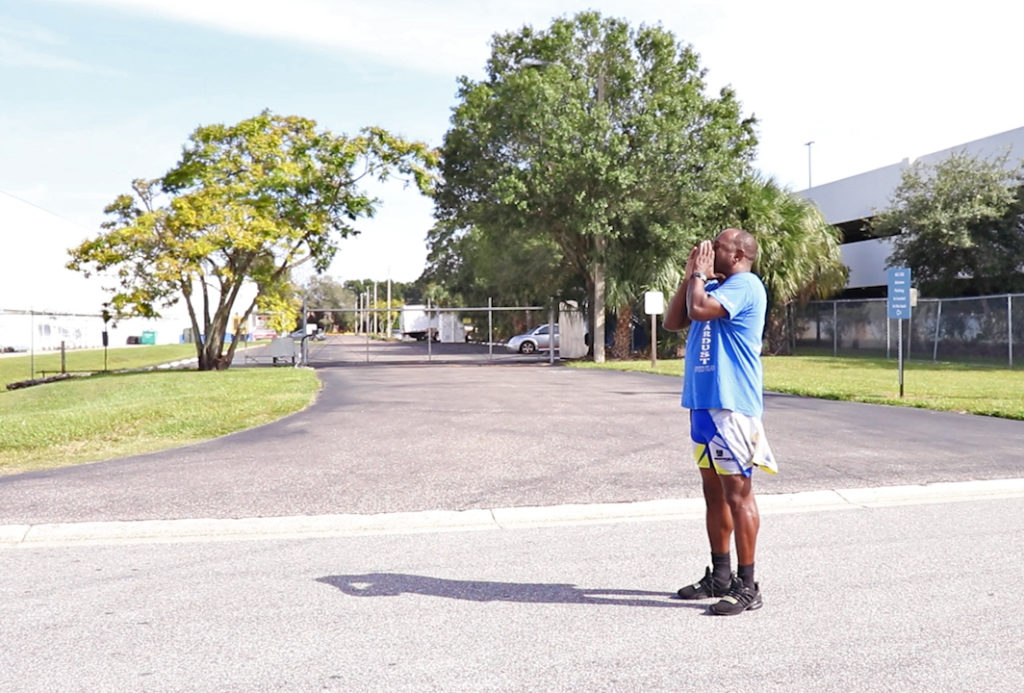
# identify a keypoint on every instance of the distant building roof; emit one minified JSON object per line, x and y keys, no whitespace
{"x":863,"y":195}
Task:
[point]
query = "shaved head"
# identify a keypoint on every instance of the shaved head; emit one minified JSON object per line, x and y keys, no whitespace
{"x":747,"y":243}
{"x":735,"y":251}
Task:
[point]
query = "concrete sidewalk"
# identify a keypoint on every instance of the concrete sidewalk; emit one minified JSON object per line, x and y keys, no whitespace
{"x":304,"y":526}
{"x":896,"y":598}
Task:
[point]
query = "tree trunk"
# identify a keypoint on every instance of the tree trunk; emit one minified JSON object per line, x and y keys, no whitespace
{"x":239,"y":332}
{"x":588,"y":284}
{"x":213,"y":357}
{"x":597,"y":327}
{"x":776,"y":334}
{"x":623,"y":333}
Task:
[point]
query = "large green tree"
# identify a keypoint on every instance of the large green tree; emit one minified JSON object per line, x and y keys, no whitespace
{"x":328,"y":303}
{"x":957,"y":225}
{"x":518,"y":269}
{"x":599,"y":138}
{"x":245,"y":204}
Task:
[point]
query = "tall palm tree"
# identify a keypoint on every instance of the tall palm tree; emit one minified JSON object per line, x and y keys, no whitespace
{"x":638,"y":268}
{"x":798,"y":256}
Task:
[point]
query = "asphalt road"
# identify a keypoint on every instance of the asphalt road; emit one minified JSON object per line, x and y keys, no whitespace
{"x":454,"y":436}
{"x":904,"y":598}
{"x":890,"y":592}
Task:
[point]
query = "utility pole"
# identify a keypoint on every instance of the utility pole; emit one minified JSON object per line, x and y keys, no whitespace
{"x":808,"y":145}
{"x":600,"y":245}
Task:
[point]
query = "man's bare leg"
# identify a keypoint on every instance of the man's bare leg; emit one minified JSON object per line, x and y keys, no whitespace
{"x":745,"y":594}
{"x":719,"y":523}
{"x":718,"y":517}
{"x":738,"y":492}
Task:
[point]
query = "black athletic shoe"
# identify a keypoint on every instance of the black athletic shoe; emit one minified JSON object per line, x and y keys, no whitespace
{"x":705,"y":588}
{"x":738,"y":599}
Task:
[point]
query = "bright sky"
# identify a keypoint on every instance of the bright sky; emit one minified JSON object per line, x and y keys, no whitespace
{"x":94,"y":93}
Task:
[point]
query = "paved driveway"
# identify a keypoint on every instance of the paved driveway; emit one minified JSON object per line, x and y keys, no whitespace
{"x":455,"y":436}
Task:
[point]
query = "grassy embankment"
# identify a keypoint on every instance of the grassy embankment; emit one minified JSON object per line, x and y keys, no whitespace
{"x":944,"y":386}
{"x":14,"y":368}
{"x":110,"y":415}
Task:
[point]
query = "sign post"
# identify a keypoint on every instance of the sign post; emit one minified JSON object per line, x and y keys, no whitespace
{"x":899,"y":306}
{"x":654,"y":305}
{"x":105,"y":314}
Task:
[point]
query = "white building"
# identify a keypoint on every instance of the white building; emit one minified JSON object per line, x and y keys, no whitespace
{"x":42,"y":303}
{"x":850,"y":202}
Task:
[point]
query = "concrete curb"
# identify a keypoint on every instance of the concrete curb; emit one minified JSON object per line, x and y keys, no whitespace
{"x":306,"y":526}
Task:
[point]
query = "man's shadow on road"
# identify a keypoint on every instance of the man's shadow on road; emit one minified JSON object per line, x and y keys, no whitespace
{"x":395,"y":584}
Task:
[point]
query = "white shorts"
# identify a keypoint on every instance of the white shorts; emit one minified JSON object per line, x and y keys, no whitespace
{"x":731,"y":442}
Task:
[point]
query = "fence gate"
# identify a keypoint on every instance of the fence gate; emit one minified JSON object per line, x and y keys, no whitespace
{"x":429,"y":334}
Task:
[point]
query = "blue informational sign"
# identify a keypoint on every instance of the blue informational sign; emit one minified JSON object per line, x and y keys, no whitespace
{"x":899,"y":293}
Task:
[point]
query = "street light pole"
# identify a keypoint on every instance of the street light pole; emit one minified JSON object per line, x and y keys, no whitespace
{"x":808,"y":145}
{"x":600,"y":246}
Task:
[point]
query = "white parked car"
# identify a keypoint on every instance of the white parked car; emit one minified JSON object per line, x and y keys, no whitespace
{"x":314,"y":334}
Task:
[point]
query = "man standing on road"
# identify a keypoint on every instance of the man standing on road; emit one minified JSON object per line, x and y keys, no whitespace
{"x":725,"y":304}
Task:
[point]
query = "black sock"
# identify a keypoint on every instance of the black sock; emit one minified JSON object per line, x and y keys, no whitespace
{"x":746,"y":574}
{"x":721,"y":569}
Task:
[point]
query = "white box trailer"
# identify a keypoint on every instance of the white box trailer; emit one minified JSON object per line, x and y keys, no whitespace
{"x":415,"y":323}
{"x":451,"y":328}
{"x":442,"y":325}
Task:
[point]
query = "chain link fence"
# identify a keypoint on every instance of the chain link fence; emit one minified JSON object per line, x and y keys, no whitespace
{"x":984,"y":330}
{"x":29,"y":330}
{"x":422,"y":333}
{"x":980,"y":330}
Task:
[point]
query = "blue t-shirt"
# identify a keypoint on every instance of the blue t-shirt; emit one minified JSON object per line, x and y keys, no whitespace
{"x":723,"y":356}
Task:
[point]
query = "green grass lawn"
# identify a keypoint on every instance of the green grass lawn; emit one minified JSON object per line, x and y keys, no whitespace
{"x":117,"y":414}
{"x":943,"y":386}
{"x":22,"y":367}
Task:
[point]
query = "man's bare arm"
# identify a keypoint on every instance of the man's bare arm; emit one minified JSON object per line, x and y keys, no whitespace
{"x":676,"y":318}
